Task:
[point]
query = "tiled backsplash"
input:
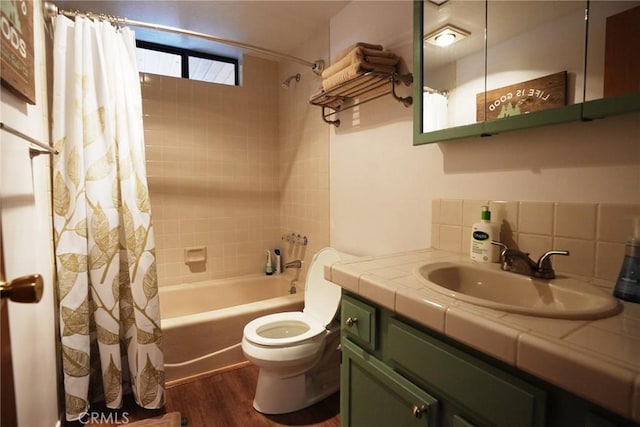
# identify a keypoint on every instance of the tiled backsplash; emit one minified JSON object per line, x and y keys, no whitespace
{"x":594,"y":233}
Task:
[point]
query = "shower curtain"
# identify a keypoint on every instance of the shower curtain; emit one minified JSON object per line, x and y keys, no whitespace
{"x":105,"y":253}
{"x":434,"y":111}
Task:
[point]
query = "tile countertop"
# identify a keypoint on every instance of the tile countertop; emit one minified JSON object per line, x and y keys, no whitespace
{"x":598,"y":360}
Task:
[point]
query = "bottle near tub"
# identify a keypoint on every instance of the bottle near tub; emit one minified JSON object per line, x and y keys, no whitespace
{"x":482,"y":233}
{"x":278,"y":261}
{"x":268,"y":266}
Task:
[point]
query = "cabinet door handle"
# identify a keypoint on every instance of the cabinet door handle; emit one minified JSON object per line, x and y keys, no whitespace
{"x":417,"y":411}
{"x":351,"y":321}
{"x":23,"y":289}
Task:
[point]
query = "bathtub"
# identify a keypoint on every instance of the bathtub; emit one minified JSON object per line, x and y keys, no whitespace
{"x":202,"y":322}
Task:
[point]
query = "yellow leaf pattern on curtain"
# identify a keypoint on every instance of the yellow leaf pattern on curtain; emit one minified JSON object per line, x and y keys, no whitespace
{"x":73,"y":168}
{"x":142,"y":196}
{"x":61,"y":197}
{"x":93,"y":123}
{"x":99,"y":169}
{"x":111,"y":380}
{"x":105,"y":255}
{"x":74,"y":405}
{"x":76,"y":321}
{"x":149,"y":283}
{"x":76,"y":362}
{"x":105,"y":336}
{"x":149,"y":381}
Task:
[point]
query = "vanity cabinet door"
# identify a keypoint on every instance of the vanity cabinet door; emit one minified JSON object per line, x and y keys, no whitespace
{"x":465,"y":383}
{"x":359,"y":322}
{"x":373,"y":395}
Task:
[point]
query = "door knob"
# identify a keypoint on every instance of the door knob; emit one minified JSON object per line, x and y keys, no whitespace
{"x":23,"y":289}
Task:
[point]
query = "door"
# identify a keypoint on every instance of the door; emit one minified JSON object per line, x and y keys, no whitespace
{"x":26,"y":234}
{"x":25,"y":289}
{"x":7,"y":389}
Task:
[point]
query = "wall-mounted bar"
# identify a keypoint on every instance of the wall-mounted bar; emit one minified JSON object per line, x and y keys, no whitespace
{"x":51,"y":10}
{"x":47,"y":149}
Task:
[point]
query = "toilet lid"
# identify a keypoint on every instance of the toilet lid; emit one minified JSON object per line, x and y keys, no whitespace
{"x":321,"y":297}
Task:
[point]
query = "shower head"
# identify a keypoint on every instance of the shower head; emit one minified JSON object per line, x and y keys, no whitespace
{"x":286,"y":83}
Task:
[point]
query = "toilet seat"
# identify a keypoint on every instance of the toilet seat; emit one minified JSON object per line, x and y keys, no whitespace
{"x":321,"y":297}
{"x":321,"y":302}
{"x":294,"y":327}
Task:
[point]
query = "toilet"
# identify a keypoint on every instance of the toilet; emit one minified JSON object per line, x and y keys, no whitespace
{"x":298,"y":353}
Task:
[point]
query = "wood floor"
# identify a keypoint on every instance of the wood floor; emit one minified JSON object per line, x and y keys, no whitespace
{"x":222,"y":400}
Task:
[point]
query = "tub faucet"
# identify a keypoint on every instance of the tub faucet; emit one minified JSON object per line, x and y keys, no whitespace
{"x":293,"y":264}
{"x":519,"y":262}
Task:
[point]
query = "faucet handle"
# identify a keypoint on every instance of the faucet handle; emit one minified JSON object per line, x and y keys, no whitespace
{"x":544,"y":263}
{"x":502,"y":246}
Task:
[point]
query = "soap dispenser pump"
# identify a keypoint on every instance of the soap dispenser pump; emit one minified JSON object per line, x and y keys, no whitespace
{"x":628,"y":284}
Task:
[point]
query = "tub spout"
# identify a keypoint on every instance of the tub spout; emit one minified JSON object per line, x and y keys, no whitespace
{"x":293,"y":264}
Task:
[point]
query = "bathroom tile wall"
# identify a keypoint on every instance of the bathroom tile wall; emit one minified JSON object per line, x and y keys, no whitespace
{"x":304,"y":158}
{"x":594,"y":233}
{"x":212,"y":157}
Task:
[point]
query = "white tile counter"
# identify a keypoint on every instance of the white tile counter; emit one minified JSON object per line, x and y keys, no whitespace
{"x":598,"y":360}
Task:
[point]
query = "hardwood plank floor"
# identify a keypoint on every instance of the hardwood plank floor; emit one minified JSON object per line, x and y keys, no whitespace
{"x":223,"y":400}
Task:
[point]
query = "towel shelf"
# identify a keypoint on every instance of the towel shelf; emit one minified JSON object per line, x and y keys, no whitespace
{"x":359,"y":90}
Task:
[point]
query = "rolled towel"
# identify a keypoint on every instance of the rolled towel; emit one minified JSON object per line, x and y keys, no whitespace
{"x":352,"y":71}
{"x":348,"y":50}
{"x":368,"y":58}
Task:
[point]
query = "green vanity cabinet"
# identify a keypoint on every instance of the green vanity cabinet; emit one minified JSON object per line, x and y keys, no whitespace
{"x":486,"y":394}
{"x":373,"y":394}
{"x":396,"y":373}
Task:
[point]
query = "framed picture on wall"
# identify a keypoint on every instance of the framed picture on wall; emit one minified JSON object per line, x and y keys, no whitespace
{"x":16,"y":47}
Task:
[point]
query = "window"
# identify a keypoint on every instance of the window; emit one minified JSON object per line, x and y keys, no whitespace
{"x":175,"y":62}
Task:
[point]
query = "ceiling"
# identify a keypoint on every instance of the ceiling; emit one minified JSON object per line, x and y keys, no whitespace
{"x":276,"y":25}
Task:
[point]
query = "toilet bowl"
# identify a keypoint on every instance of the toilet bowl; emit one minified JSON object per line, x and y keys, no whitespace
{"x":297,"y":353}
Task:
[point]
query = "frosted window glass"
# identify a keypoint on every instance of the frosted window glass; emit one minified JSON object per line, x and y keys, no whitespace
{"x":156,"y":62}
{"x":209,"y":70}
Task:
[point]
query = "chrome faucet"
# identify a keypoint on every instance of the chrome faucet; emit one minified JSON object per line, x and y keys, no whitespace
{"x":519,"y":262}
{"x":293,"y":264}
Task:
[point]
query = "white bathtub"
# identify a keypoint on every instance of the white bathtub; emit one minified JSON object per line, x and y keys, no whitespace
{"x":202,"y":322}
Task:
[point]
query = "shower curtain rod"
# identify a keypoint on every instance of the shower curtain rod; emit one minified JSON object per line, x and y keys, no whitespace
{"x":432,"y":90}
{"x":51,"y":10}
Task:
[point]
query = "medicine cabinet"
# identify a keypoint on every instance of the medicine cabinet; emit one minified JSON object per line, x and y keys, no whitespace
{"x":517,"y":64}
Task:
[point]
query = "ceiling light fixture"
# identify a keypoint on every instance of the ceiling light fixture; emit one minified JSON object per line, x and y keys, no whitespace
{"x":446,"y":36}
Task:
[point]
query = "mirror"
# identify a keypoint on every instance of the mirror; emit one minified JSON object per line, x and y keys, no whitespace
{"x":613,"y":63}
{"x":535,"y":63}
{"x":453,"y":69}
{"x":529,"y":71}
{"x":449,"y":77}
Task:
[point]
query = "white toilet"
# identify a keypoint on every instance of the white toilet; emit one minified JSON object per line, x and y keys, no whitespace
{"x":298,"y":352}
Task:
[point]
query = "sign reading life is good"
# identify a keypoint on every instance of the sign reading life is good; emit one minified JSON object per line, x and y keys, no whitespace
{"x":16,"y":46}
{"x":521,"y":98}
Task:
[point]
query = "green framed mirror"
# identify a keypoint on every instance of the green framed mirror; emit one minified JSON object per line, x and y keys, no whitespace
{"x":519,"y":64}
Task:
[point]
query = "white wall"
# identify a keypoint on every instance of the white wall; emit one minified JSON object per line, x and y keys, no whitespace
{"x":382,"y":186}
{"x":26,"y":234}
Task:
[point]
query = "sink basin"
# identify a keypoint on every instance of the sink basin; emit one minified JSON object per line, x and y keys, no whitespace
{"x":489,"y":286}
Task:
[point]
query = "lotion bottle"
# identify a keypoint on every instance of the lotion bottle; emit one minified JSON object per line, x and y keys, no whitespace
{"x":278,"y":260}
{"x":481,"y":235}
{"x":628,"y":284}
